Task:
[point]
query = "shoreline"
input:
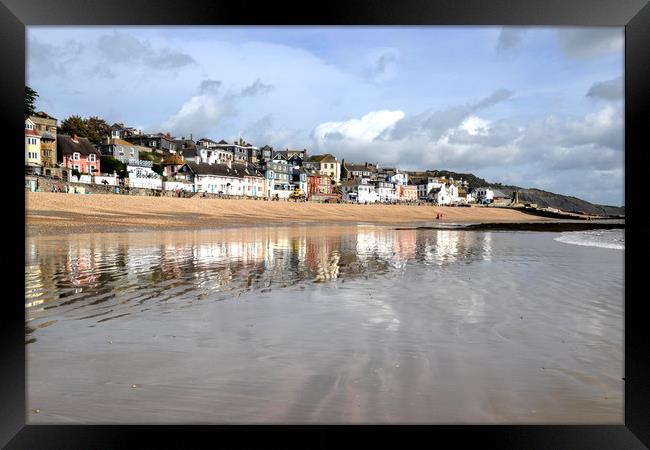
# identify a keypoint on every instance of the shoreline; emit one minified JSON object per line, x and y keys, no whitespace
{"x":528,"y":226}
{"x":49,"y":213}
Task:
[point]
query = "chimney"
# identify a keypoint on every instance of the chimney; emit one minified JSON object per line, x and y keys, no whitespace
{"x":74,"y":137}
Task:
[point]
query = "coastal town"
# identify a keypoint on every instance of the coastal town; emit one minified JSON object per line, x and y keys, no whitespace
{"x":162,"y":164}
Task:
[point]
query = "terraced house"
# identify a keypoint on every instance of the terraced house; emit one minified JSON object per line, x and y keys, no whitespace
{"x":33,"y":163}
{"x":278,"y":175}
{"x":239,"y":149}
{"x":46,"y":127}
{"x":351,"y":170}
{"x":325,"y":164}
{"x":238,"y":179}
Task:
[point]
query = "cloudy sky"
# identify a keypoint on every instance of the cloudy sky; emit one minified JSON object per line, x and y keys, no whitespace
{"x":535,"y":107}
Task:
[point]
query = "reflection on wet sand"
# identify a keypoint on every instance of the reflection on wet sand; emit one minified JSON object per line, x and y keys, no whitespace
{"x":80,"y":273}
{"x":299,"y":324}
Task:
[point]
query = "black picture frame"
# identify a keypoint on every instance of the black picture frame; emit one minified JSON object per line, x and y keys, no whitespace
{"x":634,"y":15}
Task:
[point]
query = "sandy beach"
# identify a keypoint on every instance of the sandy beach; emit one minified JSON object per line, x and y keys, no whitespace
{"x":56,"y":213}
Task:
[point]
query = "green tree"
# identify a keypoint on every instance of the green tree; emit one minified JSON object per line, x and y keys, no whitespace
{"x":30,"y":98}
{"x":74,"y":125}
{"x":97,"y":129}
{"x":110,"y":165}
{"x":93,"y":128}
{"x":158,"y":168}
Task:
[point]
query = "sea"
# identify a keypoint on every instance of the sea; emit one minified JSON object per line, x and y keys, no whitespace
{"x":325,"y":324}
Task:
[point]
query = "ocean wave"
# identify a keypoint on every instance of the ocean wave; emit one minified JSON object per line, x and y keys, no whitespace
{"x":613,"y":239}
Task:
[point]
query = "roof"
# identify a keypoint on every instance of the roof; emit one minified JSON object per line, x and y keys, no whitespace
{"x":188,"y":152}
{"x":43,"y":115}
{"x":48,"y":135}
{"x":351,"y":167}
{"x":122,"y":142}
{"x":211,"y":169}
{"x":173,"y":160}
{"x":184,"y":141}
{"x":30,"y":132}
{"x":222,"y":142}
{"x":246,"y":170}
{"x":67,"y":146}
{"x":279,"y":155}
{"x":321,"y":158}
{"x":497,"y":193}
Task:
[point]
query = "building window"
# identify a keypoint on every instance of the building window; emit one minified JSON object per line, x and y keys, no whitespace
{"x":29,"y":126}
{"x":75,"y":156}
{"x":91,"y":169}
{"x":91,"y":157}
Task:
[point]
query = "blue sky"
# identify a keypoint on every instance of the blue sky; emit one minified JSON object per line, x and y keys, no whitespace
{"x":537,"y":107}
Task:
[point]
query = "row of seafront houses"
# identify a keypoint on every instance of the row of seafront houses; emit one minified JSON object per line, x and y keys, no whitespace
{"x":232,"y":169}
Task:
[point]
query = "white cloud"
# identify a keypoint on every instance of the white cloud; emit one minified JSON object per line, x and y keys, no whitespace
{"x":364,"y":130}
{"x":534,"y":154}
{"x":474,"y":125}
{"x":198,"y":115}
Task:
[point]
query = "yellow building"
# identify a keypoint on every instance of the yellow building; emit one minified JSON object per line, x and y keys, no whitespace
{"x":33,"y":162}
{"x":46,"y":127}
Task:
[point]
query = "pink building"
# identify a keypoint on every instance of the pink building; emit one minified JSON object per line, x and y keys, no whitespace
{"x":78,"y":153}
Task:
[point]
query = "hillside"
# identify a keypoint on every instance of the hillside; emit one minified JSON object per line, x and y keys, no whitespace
{"x":541,"y":198}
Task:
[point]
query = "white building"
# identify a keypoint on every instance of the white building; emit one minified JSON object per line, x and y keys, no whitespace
{"x":482,"y":195}
{"x":224,"y":179}
{"x":252,"y":181}
{"x":33,"y":161}
{"x":386,"y":192}
{"x":399,"y":178}
{"x":141,"y":175}
{"x":359,"y":191}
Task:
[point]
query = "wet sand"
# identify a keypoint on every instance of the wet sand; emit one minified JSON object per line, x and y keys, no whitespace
{"x":313,"y":324}
{"x":57,"y":213}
